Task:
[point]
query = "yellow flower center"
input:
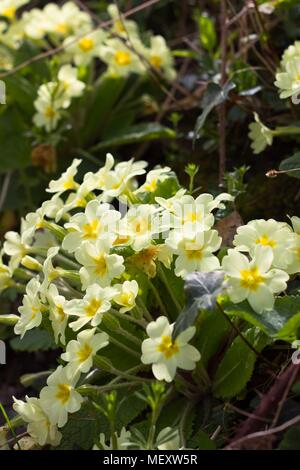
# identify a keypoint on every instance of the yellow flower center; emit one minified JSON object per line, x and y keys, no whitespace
{"x":120,"y":240}
{"x":193,"y":217}
{"x":63,"y":393}
{"x":49,"y":112}
{"x":141,"y":226}
{"x":93,"y":307}
{"x":168,"y":347}
{"x":60,"y":312}
{"x":91,"y":230}
{"x":265,"y":241}
{"x":123,"y":58}
{"x":156,"y":61}
{"x":9,"y":12}
{"x":251,"y":278}
{"x":196,"y":254}
{"x":62,"y":28}
{"x":151,"y":186}
{"x":100,"y":265}
{"x":34,"y":312}
{"x":84,"y":352}
{"x":126,"y":298}
{"x":86,"y":44}
{"x":69,"y":184}
{"x":119,"y":26}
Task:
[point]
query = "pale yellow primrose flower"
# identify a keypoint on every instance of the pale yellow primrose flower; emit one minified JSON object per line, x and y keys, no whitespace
{"x":39,"y":426}
{"x":294,"y":266}
{"x":31,"y":309}
{"x":166,"y":354}
{"x":260,"y":135}
{"x":121,"y":26}
{"x":153,"y":178}
{"x":139,"y":225}
{"x":120,"y":59}
{"x":57,"y":314}
{"x":96,"y":220}
{"x":49,"y":105}
{"x":72,"y":87}
{"x":80,"y":352}
{"x":66,"y":181}
{"x":8,"y":8}
{"x":66,"y":19}
{"x":292,"y":52}
{"x":126,"y":294}
{"x":90,"y":309}
{"x":35,"y":24}
{"x":288,"y":81}
{"x":82,"y":49}
{"x":278,"y":236}
{"x":253,"y":280}
{"x":99,"y":266}
{"x":160,"y":57}
{"x":195,"y":253}
{"x":59,"y":397}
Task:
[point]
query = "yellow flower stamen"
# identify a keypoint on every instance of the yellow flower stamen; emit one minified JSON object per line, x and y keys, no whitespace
{"x":93,"y":307}
{"x":84,"y":352}
{"x":100,"y":265}
{"x":123,"y":58}
{"x":168,"y":347}
{"x":265,"y":241}
{"x":49,"y":112}
{"x":9,"y":12}
{"x":91,"y":230}
{"x":251,"y":278}
{"x":86,"y":44}
{"x":63,"y":393}
{"x":156,"y":61}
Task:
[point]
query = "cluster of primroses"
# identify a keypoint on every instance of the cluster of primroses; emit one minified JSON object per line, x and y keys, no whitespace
{"x":81,"y":41}
{"x":288,"y":82}
{"x":77,"y":260}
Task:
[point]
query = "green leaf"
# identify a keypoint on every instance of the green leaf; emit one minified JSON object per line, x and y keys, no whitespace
{"x":213,"y":96}
{"x":283,"y":322}
{"x":135,"y":134}
{"x":83,"y":429}
{"x":290,"y":164}
{"x":291,"y":439}
{"x":15,"y":147}
{"x":101,"y":102}
{"x":237,"y":365}
{"x":34,"y":340}
{"x":213,"y":330}
{"x":207,"y":32}
{"x":202,"y":290}
{"x":202,"y":441}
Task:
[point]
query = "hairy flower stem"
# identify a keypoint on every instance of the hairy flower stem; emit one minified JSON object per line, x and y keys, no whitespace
{"x":157,"y":298}
{"x":170,"y":291}
{"x":86,"y":390}
{"x":142,"y":307}
{"x":128,"y":318}
{"x":124,"y":347}
{"x":130,"y":337}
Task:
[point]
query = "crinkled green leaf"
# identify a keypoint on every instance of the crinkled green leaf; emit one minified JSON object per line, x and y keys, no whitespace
{"x":213,"y":96}
{"x":34,"y":340}
{"x":15,"y":146}
{"x":202,"y":290}
{"x":282,"y":322}
{"x":290,"y":164}
{"x":237,"y":365}
{"x":135,"y":134}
